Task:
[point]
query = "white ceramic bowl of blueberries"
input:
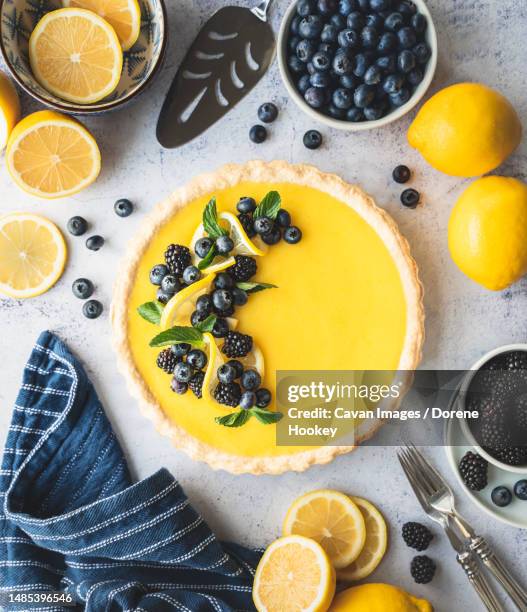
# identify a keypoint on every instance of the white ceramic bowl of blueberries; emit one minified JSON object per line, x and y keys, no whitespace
{"x":357,"y":64}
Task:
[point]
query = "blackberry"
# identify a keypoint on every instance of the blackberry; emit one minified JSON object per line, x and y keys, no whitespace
{"x":417,"y":536}
{"x":228,"y":394}
{"x":166,"y":360}
{"x":246,"y":219}
{"x":244,"y":268}
{"x":177,"y":258}
{"x":473,"y":470}
{"x":515,"y":360}
{"x":494,"y":434}
{"x":195,"y":384}
{"x":521,"y":412}
{"x":512,"y":455}
{"x":237,"y":345}
{"x":422,"y":569}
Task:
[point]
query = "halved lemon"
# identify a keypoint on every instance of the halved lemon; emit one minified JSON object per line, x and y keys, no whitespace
{"x":76,"y":55}
{"x":9,"y":109}
{"x":51,"y":156}
{"x":374,"y":547}
{"x":333,"y":520}
{"x":32,"y":255}
{"x":294,"y":574}
{"x":123,"y":15}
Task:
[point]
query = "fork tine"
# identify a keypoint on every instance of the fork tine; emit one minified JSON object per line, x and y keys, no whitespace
{"x":437,"y":481}
{"x":411,"y":476}
{"x":419,"y":475}
{"x":429,"y":476}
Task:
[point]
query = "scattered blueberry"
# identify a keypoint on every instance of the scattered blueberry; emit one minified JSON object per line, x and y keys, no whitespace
{"x":226,"y":373}
{"x":77,"y":226}
{"x":410,"y":198}
{"x":170,"y":284}
{"x":267,"y":112}
{"x":258,"y":133}
{"x":520,"y":489}
{"x":197,"y":359}
{"x":94,"y":243}
{"x":263,"y":225}
{"x":224,"y":245}
{"x":283,"y":218}
{"x":180,"y":349}
{"x":158,"y":273}
{"x":401,"y":174}
{"x":183,"y":372}
{"x":82,"y":288}
{"x":263,"y":398}
{"x":191,"y":274}
{"x":247,"y":400}
{"x":123,"y":207}
{"x":92,"y":309}
{"x":501,"y":496}
{"x":251,"y":380}
{"x":203,"y":246}
{"x":292,"y":234}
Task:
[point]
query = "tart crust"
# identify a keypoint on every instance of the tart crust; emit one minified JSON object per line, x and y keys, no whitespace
{"x":228,"y":176}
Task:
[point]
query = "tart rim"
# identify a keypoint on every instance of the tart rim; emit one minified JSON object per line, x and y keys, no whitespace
{"x":227,"y":176}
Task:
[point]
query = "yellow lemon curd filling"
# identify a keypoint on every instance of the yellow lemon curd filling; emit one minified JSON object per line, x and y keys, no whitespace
{"x":339,"y":305}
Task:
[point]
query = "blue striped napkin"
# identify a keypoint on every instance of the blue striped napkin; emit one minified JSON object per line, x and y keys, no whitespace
{"x":72,"y":520}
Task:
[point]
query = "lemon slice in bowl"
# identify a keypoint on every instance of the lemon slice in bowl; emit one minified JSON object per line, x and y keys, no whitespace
{"x":76,"y":55}
{"x":333,"y":520}
{"x":52,"y":156}
{"x":32,"y":255}
{"x":294,"y":573}
{"x":374,"y":547}
{"x":9,"y":109}
{"x":123,"y":15}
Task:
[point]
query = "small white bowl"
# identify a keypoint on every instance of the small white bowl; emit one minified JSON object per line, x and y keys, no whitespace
{"x":350,"y":126}
{"x":465,"y":428}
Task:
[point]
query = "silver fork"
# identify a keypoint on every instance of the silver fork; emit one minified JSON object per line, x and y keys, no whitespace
{"x":465,"y":558}
{"x":440,"y":497}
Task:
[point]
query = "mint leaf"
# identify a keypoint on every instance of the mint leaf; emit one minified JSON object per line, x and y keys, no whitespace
{"x":151,"y":312}
{"x":208,"y":259}
{"x":266,"y":416}
{"x":210,"y":220}
{"x":207,"y":324}
{"x":177,"y":334}
{"x":234,"y":419}
{"x":269,"y":206}
{"x":255,"y":287}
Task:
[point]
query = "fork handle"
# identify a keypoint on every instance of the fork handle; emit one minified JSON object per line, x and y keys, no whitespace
{"x":513,"y":588}
{"x":478,"y":581}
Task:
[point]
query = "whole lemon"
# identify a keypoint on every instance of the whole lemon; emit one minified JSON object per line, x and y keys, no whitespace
{"x":378,"y":598}
{"x":466,"y":129}
{"x":487,"y":231}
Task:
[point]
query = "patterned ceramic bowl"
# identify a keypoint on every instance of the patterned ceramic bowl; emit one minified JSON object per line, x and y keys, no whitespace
{"x":140,"y":63}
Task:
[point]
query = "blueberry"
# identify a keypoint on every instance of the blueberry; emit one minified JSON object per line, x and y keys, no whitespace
{"x":204,"y":304}
{"x":501,"y":496}
{"x":387,"y":43}
{"x":393,"y":83}
{"x":410,"y":198}
{"x":422,"y":52}
{"x":329,"y":33}
{"x":226,"y":373}
{"x":374,"y":111}
{"x":362,"y":62}
{"x":272,"y":237}
{"x":292,"y":43}
{"x":263,"y":398}
{"x":197,"y":359}
{"x":326,"y":7}
{"x":295,"y":25}
{"x":305,"y":50}
{"x":258,"y":133}
{"x":348,"y":38}
{"x":92,"y":309}
{"x":415,"y":76}
{"x":375,"y":21}
{"x":170,"y":284}
{"x":520,"y":489}
{"x":346,"y":7}
{"x":94,"y":243}
{"x":407,"y":37}
{"x":335,"y":112}
{"x":246,"y":205}
{"x":364,"y":95}
{"x":158,"y":273}
{"x":223,"y":281}
{"x":239,"y":297}
{"x":123,"y":207}
{"x":224,"y":245}
{"x":342,"y":98}
{"x":82,"y":288}
{"x":387,"y":63}
{"x":263,"y":225}
{"x":303,"y":83}
{"x":180,"y":349}
{"x":355,"y":115}
{"x":419,"y":23}
{"x":406,"y":61}
{"x":203,"y":246}
{"x":77,"y":226}
{"x":221,"y":328}
{"x":178,"y":387}
{"x":406,"y":7}
{"x":196,"y":318}
{"x":183,"y":372}
{"x":191,"y":274}
{"x":380,"y":5}
{"x":295,"y":65}
{"x":251,"y":380}
{"x":342,"y":64}
{"x":315,"y":97}
{"x":348,"y":81}
{"x":283,"y":218}
{"x":401,"y":97}
{"x":369,"y":37}
{"x":310,"y":26}
{"x":401,"y":174}
{"x":356,"y":21}
{"x":292,"y":235}
{"x":394,"y":22}
{"x":312,"y":140}
{"x":162,"y":296}
{"x":363,"y":5}
{"x":267,"y":112}
{"x":222,"y":299}
{"x":247,"y":400}
{"x":339,"y":21}
{"x":305,"y":7}
{"x":310,"y":68}
{"x":321,"y":61}
{"x":373,"y":75}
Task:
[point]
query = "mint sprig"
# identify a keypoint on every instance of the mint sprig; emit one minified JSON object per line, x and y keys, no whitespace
{"x":210,"y":220}
{"x":208,"y":259}
{"x":255,"y":287}
{"x":240,"y":417}
{"x":151,"y":312}
{"x":269,"y":206}
{"x":207,"y":325}
{"x":178,"y":334}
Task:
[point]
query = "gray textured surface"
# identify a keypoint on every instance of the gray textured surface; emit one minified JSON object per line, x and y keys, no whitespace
{"x":477,"y":41}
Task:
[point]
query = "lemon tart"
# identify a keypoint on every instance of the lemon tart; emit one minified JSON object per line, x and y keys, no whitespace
{"x":347,"y":297}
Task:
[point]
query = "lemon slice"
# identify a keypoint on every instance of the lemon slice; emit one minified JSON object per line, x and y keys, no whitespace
{"x":374,"y":547}
{"x":254,"y":359}
{"x":123,"y":15}
{"x":294,"y":575}
{"x":32,"y":255}
{"x":51,"y":156}
{"x":333,"y":520}
{"x":9,"y":109}
{"x":182,"y":305}
{"x":76,"y":55}
{"x":215,"y":361}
